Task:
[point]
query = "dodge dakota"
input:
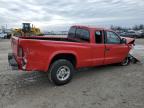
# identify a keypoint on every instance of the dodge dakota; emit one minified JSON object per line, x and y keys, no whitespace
{"x":59,"y":56}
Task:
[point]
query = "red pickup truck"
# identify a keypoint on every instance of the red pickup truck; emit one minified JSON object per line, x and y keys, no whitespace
{"x":83,"y":47}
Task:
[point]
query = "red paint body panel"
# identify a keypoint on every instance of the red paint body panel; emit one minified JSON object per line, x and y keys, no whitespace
{"x":115,"y":53}
{"x":39,"y":53}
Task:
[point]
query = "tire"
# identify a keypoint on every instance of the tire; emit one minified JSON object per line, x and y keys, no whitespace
{"x":61,"y":72}
{"x":125,"y":62}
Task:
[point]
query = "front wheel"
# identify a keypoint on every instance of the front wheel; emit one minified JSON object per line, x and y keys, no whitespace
{"x":125,"y":62}
{"x":61,"y":72}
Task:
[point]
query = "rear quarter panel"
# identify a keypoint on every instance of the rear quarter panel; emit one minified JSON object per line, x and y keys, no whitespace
{"x":39,"y":53}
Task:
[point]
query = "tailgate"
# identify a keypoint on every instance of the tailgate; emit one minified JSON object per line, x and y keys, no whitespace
{"x":14,"y":44}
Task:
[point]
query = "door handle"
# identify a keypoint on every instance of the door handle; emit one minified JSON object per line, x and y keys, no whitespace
{"x":107,"y":49}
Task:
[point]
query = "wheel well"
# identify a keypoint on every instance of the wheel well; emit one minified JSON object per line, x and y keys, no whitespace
{"x":69,"y":57}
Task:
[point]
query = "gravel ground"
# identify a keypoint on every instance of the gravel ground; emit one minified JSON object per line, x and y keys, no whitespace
{"x":102,"y":87}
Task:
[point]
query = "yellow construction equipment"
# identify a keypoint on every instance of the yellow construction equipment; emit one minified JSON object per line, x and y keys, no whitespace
{"x":27,"y":30}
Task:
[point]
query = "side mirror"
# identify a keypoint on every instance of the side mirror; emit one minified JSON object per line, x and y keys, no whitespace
{"x":123,"y":41}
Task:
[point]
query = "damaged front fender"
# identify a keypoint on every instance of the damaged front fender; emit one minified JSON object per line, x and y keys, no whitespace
{"x":137,"y":53}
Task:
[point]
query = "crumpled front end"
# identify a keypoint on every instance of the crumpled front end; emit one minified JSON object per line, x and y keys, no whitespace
{"x":130,"y":40}
{"x":136,"y":53}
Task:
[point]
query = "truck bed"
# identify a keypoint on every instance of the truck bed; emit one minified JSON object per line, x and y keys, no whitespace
{"x":40,"y":50}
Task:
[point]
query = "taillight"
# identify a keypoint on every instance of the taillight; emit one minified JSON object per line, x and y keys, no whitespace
{"x":20,"y":52}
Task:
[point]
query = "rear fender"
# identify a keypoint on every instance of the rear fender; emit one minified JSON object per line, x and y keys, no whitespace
{"x":60,"y":52}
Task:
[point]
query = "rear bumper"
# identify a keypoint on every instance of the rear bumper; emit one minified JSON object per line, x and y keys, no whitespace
{"x":12,"y":61}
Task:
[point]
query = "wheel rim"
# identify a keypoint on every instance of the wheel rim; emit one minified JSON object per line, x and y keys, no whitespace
{"x":63,"y":73}
{"x":125,"y":62}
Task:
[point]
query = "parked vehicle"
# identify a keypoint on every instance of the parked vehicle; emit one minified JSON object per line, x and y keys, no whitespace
{"x":132,"y":34}
{"x":3,"y":35}
{"x":124,"y":34}
{"x":142,"y":35}
{"x":60,"y":57}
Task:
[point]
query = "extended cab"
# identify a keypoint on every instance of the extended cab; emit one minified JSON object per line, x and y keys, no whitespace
{"x":83,"y":47}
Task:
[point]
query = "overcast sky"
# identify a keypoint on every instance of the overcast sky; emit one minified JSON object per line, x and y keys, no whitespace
{"x":60,"y":14}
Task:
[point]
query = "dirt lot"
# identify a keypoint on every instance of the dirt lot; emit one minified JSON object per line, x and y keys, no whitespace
{"x":101,"y":87}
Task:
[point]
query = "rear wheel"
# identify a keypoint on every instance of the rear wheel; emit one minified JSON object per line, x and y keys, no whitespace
{"x":61,"y":72}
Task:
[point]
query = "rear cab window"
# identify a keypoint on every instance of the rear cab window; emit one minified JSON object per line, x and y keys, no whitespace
{"x":79,"y":34}
{"x":82,"y":34}
{"x":71,"y":33}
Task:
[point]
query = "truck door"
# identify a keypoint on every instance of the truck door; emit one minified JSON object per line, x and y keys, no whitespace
{"x":98,"y":48}
{"x":114,"y":51}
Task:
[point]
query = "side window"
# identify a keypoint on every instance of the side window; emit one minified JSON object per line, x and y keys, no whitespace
{"x":71,"y":33}
{"x":112,"y":38}
{"x":82,"y":34}
{"x":98,"y":37}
